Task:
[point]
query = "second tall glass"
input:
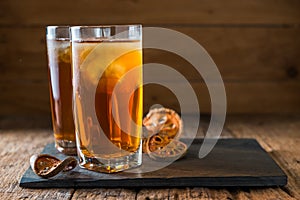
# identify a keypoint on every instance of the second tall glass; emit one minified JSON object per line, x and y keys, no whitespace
{"x":108,"y":96}
{"x":60,"y":83}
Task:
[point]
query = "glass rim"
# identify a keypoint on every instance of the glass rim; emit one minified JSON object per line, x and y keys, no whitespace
{"x":105,"y":26}
{"x":58,"y":26}
{"x":58,"y":32}
{"x":106,"y":32}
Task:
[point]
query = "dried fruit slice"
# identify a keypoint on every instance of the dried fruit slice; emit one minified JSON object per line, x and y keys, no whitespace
{"x":46,"y":166}
{"x":171,"y":152}
{"x":164,"y":127}
{"x":157,"y":142}
{"x":163,"y":121}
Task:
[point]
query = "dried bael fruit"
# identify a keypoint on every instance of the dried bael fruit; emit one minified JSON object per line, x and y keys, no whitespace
{"x":47,"y":166}
{"x":164,"y":127}
{"x":164,"y":121}
{"x":171,"y":152}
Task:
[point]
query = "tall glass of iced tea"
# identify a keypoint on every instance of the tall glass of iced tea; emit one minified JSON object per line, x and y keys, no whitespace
{"x":108,"y":96}
{"x":60,"y":84}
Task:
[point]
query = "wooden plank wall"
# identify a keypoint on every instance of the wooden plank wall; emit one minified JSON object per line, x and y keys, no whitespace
{"x":255,"y":44}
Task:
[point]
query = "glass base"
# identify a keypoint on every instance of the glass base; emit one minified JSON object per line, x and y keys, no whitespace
{"x":111,"y":165}
{"x":66,"y":147}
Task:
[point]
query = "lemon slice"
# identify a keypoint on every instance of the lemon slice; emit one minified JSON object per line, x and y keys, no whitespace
{"x":64,"y":54}
{"x":109,"y":59}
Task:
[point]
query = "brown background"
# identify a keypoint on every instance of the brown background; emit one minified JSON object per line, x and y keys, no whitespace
{"x":255,"y":44}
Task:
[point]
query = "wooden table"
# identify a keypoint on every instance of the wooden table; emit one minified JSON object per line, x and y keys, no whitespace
{"x":279,"y":135}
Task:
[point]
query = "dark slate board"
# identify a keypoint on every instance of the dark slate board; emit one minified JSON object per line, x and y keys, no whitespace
{"x":232,"y":162}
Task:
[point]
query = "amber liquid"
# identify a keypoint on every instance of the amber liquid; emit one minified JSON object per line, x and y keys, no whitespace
{"x":108,"y":124}
{"x":90,"y":59}
{"x":60,"y":84}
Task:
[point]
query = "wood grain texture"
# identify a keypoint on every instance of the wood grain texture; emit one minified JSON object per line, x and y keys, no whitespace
{"x":32,"y":12}
{"x":241,"y":54}
{"x":259,"y":97}
{"x":254,"y":43}
{"x":280,"y":139}
{"x":252,"y":97}
{"x":116,"y":193}
{"x":279,"y":133}
{"x":25,"y":99}
{"x":16,"y":148}
{"x":260,"y":67}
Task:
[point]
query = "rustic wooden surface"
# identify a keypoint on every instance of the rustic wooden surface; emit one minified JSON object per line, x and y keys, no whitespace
{"x":31,"y":12}
{"x":279,"y":136}
{"x":255,"y":45}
